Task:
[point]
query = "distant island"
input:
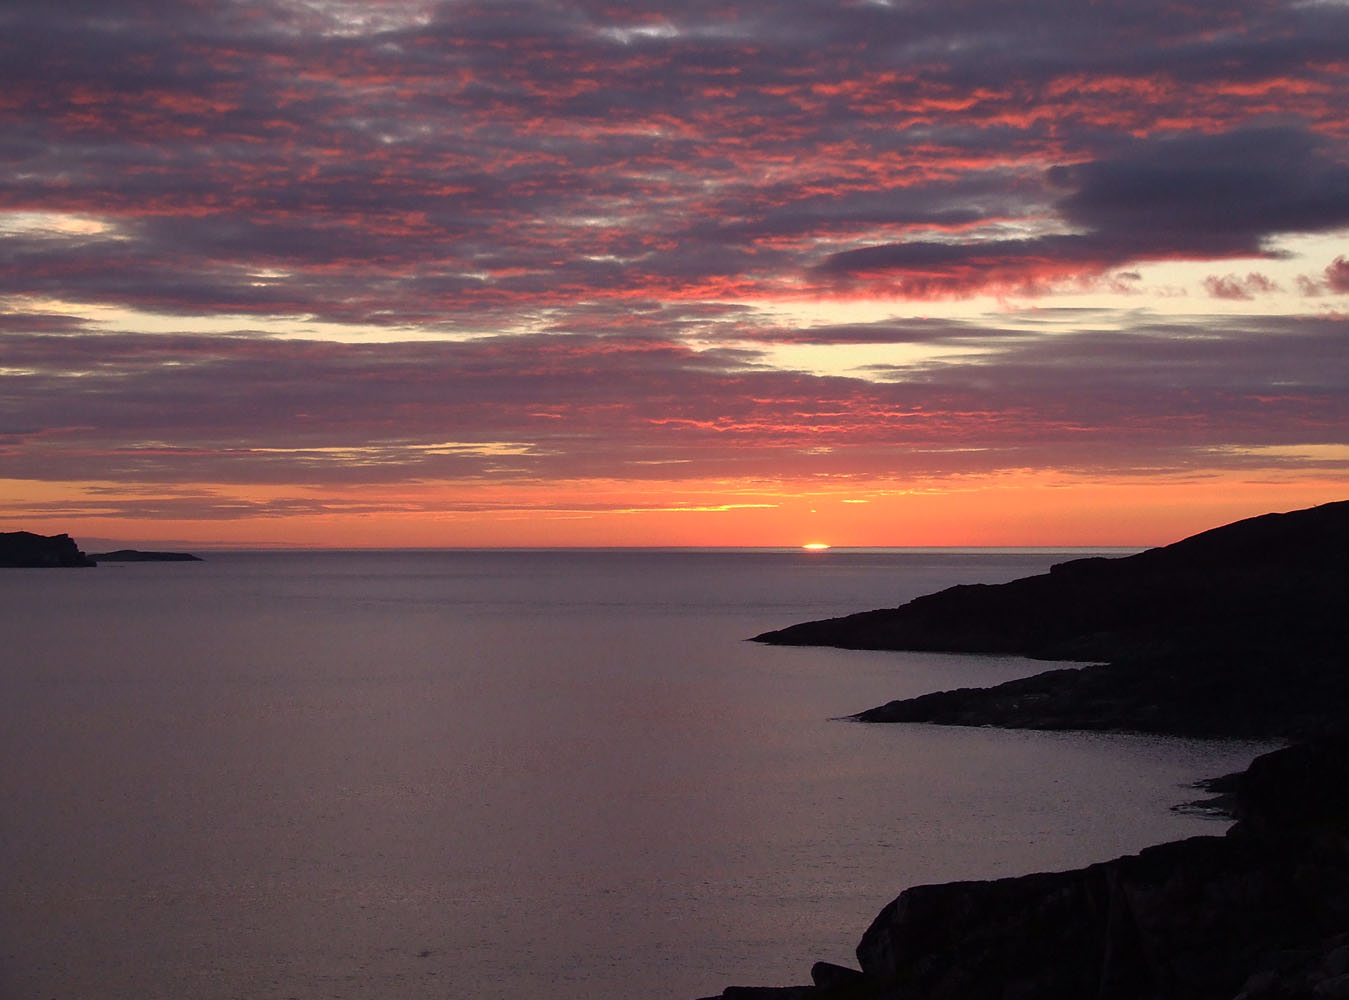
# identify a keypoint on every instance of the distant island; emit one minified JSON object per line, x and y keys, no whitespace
{"x":23,"y":549}
{"x":139,"y":555}
{"x":1239,"y":631}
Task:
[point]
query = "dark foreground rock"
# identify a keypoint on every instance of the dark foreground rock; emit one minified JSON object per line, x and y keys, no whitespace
{"x":1239,"y":631}
{"x":140,"y":555}
{"x":1261,"y":913}
{"x":25,"y":549}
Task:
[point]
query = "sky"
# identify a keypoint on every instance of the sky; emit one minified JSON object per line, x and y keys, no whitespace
{"x":858,"y":272}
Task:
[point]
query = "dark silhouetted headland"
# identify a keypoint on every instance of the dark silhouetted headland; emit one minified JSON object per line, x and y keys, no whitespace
{"x":1242,"y":575}
{"x":1236,"y":631}
{"x":25,"y":549}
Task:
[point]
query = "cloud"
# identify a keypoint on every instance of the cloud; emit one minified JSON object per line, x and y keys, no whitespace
{"x":1210,"y":195}
{"x":1334,"y":279}
{"x":405,"y":162}
{"x":567,"y":241}
{"x":162,"y":408}
{"x":1204,"y":197}
{"x":1233,"y":286}
{"x":1337,"y":275}
{"x":29,"y":322}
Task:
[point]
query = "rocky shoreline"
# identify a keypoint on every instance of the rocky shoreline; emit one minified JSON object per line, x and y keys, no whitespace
{"x":1258,"y":914}
{"x":1239,"y":631}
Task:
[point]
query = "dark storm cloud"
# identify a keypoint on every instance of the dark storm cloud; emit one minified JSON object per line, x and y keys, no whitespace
{"x":1211,"y":195}
{"x":1193,"y":197}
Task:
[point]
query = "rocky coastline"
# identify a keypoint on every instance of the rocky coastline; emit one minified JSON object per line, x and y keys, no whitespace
{"x":1239,"y":631}
{"x":1259,"y":914}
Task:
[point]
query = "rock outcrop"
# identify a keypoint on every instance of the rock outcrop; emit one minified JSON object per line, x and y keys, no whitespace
{"x":25,"y":549}
{"x":1261,"y":913}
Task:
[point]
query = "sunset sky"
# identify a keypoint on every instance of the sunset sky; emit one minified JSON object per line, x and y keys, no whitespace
{"x":652,"y":273}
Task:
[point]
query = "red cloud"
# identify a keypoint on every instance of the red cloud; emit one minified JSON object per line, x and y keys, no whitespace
{"x":1337,"y":275}
{"x":1234,"y":287}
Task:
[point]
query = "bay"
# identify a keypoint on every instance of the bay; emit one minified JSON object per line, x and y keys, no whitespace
{"x":492,"y":774}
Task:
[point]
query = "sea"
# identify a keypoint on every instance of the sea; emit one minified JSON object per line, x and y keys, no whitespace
{"x":555,"y":774}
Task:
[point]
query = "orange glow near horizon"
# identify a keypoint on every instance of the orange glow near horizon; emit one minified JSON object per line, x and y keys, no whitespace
{"x":414,"y":287}
{"x":1007,"y":510}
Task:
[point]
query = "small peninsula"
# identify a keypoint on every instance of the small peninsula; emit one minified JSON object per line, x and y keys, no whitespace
{"x":1239,"y":631}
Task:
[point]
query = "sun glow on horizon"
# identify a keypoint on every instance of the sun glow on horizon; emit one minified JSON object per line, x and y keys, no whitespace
{"x":1009,"y":510}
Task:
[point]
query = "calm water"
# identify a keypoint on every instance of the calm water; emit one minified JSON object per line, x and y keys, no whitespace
{"x":506,"y":774}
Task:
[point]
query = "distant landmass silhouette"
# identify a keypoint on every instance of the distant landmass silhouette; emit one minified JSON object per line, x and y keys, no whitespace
{"x":25,"y":549}
{"x":141,"y":555}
